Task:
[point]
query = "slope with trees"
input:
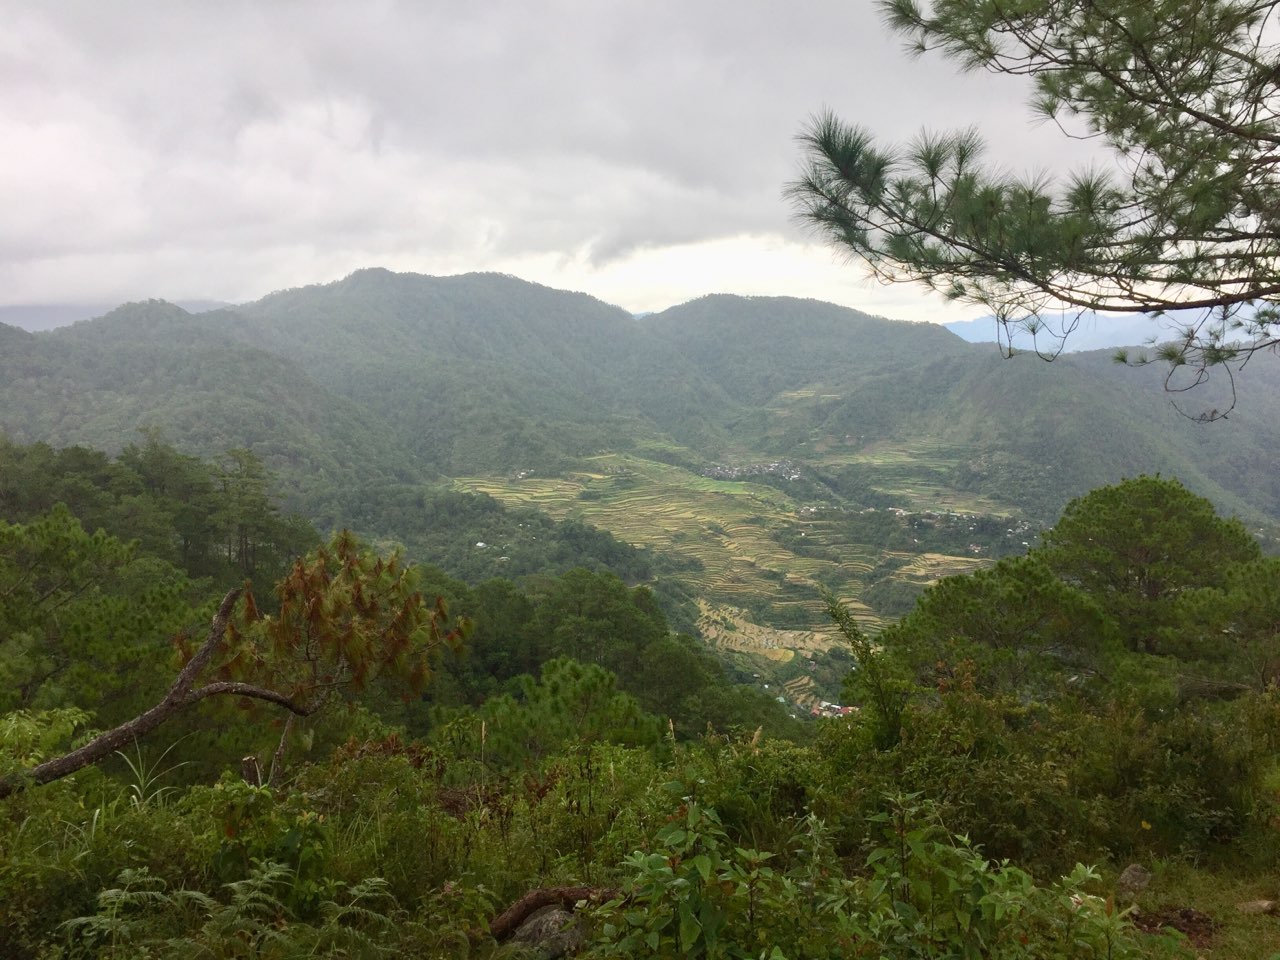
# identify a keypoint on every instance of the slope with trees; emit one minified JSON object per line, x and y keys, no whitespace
{"x":1138,"y":584}
{"x":215,"y":519}
{"x":152,"y":365}
{"x":390,"y":379}
{"x":489,"y":371}
{"x":366,"y":395}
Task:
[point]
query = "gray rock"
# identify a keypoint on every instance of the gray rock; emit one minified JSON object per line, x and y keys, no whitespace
{"x":1259,"y":906}
{"x":549,"y":934}
{"x":1132,"y":881}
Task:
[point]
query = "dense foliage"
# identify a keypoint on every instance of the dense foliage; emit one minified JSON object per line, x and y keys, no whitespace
{"x":474,"y":538}
{"x":215,"y":519}
{"x":574,"y":742}
{"x":382,"y":402}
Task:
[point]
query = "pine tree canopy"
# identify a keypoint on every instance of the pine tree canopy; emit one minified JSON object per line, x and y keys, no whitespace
{"x":1186,"y":95}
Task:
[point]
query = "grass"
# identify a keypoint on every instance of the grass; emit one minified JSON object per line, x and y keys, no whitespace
{"x":1216,"y":893}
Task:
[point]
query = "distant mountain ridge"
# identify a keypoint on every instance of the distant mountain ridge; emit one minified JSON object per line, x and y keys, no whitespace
{"x":1071,"y":332}
{"x":386,"y":378}
{"x":49,"y":316}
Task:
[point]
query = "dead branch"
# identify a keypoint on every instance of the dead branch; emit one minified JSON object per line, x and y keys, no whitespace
{"x":181,"y":694}
{"x":506,"y":923}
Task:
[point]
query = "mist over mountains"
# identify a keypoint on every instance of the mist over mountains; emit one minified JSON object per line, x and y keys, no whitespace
{"x":38,"y":317}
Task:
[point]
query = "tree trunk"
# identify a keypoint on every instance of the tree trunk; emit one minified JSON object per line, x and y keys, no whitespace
{"x":250,"y":771}
{"x":277,"y":759}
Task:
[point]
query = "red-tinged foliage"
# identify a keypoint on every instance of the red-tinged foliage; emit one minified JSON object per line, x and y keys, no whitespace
{"x":346,"y":619}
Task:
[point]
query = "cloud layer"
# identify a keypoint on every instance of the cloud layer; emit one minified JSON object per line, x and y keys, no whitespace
{"x":635,"y":151}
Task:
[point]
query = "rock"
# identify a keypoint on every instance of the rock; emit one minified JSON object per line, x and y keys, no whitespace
{"x":1131,"y":882}
{"x":1259,"y":906}
{"x":541,"y":921}
{"x":549,"y":934}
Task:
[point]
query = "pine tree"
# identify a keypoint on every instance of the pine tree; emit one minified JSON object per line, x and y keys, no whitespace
{"x":1183,"y":93}
{"x":1136,"y":546}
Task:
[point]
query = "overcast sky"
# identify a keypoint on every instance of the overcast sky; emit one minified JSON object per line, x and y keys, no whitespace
{"x":635,"y":151}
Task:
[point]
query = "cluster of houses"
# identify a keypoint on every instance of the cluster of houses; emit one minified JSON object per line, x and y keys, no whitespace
{"x":826,"y":708}
{"x":782,"y":468}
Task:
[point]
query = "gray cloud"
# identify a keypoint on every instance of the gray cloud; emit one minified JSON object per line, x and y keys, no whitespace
{"x":190,"y":149}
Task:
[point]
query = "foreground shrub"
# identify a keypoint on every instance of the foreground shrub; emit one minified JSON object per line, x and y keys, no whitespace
{"x":924,"y":893}
{"x":144,"y":917}
{"x":1048,"y":784}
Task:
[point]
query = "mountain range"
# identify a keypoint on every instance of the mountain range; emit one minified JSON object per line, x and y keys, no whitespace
{"x":38,"y":317}
{"x":385,"y":379}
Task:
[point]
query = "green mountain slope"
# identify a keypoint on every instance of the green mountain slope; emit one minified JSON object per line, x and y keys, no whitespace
{"x":152,"y":364}
{"x":484,"y":369}
{"x":825,"y":384}
{"x":756,"y":348}
{"x":748,"y":442}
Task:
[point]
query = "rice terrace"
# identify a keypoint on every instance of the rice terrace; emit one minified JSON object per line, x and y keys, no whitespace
{"x":741,"y":540}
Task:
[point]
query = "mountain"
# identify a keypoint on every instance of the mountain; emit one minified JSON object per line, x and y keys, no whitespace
{"x":49,"y":316}
{"x":1085,"y":330}
{"x":816,"y":377}
{"x":756,"y":348}
{"x":153,"y":364}
{"x":393,"y":377}
{"x":752,"y":444}
{"x":485,"y":371}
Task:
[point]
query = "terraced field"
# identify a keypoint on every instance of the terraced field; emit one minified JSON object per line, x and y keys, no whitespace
{"x":731,"y":629}
{"x":915,"y":471}
{"x":757,"y":593}
{"x":927,"y":567}
{"x":725,"y":527}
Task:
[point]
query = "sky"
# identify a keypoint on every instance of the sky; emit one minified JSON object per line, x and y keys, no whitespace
{"x":634,"y":151}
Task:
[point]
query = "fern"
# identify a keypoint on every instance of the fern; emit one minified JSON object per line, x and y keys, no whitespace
{"x":142,"y":917}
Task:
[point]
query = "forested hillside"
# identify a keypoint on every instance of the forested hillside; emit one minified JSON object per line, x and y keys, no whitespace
{"x":660,"y":660}
{"x":418,"y":376}
{"x":154,"y":365}
{"x":741,"y":443}
{"x":464,"y":617}
{"x":485,"y":371}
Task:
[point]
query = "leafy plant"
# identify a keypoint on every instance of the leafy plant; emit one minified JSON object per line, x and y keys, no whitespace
{"x":143,"y":917}
{"x":925,"y":894}
{"x":874,"y":682}
{"x":144,"y":790}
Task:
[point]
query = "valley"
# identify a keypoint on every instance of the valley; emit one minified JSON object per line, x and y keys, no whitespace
{"x":755,"y":451}
{"x":638,"y":521}
{"x":627,"y":583}
{"x":760,"y":556}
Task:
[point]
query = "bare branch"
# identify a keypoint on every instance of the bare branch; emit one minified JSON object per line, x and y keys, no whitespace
{"x":217,"y":633}
{"x":252,"y":691}
{"x":179,"y":696}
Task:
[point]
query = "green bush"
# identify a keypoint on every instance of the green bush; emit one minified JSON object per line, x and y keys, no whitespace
{"x":925,"y":894}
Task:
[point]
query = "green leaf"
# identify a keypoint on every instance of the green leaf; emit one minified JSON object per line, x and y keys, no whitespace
{"x":690,"y":928}
{"x":703,"y":865}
